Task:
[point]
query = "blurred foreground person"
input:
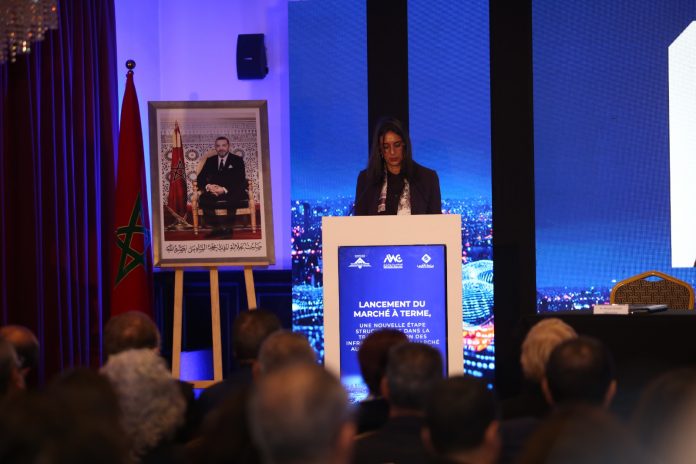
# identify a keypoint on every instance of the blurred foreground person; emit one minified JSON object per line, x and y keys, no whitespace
{"x":461,"y":422}
{"x":665,"y":418}
{"x":75,"y":421}
{"x":581,"y":434}
{"x":300,"y":415}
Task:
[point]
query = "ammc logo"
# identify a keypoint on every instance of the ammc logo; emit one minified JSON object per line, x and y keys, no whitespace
{"x":392,"y":261}
{"x":359,"y":262}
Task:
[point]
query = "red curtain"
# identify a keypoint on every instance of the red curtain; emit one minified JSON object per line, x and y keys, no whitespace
{"x":58,"y":111}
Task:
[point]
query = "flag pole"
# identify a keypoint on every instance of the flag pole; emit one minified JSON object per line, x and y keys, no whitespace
{"x":131,"y":256}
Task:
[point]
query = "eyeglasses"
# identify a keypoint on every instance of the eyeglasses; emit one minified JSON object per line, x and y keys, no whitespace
{"x":386,"y":147}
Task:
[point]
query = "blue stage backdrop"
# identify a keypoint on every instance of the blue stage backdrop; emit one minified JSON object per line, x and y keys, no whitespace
{"x":449,"y":98}
{"x":602,"y":146}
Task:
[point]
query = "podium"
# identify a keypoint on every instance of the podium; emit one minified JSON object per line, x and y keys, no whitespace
{"x":401,"y":272}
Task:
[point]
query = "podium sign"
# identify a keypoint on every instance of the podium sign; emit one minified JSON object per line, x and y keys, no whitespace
{"x":399,"y":272}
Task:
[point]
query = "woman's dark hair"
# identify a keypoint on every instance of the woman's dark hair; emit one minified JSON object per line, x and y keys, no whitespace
{"x":375,"y":164}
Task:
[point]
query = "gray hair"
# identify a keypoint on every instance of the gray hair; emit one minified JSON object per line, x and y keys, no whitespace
{"x":297,"y":414}
{"x":152,"y":404}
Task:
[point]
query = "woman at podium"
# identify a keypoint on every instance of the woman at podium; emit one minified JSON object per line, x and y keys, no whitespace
{"x":393,"y":183}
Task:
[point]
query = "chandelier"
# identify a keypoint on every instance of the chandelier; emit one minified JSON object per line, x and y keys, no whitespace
{"x":23,"y":22}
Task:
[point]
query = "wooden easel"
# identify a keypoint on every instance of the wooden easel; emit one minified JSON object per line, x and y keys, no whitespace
{"x":215,"y":316}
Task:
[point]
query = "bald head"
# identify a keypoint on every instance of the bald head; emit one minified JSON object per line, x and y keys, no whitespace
{"x":284,"y":348}
{"x":129,"y":331}
{"x":25,"y":343}
{"x":300,"y":414}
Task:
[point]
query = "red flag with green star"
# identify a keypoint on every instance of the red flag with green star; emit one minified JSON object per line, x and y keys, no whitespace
{"x":176,"y":200}
{"x":131,"y":252}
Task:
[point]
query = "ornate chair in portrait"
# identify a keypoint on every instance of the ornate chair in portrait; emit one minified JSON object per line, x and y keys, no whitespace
{"x":248,"y":206}
{"x":653,"y":287}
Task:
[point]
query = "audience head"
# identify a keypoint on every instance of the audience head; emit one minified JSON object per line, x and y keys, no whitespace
{"x":541,"y":339}
{"x":226,"y":435}
{"x":26,"y":346}
{"x":85,"y":391}
{"x":580,"y":370}
{"x":39,"y":427}
{"x":373,"y":353}
{"x":249,"y":330}
{"x":130,"y":331}
{"x":10,"y":376}
{"x":666,"y":417}
{"x":581,"y":435}
{"x":412,"y":370}
{"x":461,"y":418}
{"x":283,"y":348}
{"x":152,"y":404}
{"x":300,"y":414}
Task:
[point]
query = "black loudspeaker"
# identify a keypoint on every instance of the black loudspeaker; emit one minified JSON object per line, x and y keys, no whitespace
{"x":251,"y":56}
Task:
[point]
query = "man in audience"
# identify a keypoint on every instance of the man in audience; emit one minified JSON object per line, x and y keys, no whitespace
{"x":580,"y":370}
{"x":373,"y":412}
{"x":300,"y":414}
{"x":541,"y":339}
{"x":412,"y":371}
{"x":26,"y":346}
{"x":130,"y":331}
{"x":461,"y":422}
{"x":249,"y":330}
{"x":281,"y":349}
{"x":10,"y":377}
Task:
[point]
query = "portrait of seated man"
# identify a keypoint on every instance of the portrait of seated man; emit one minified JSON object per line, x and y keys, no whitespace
{"x":222,"y":183}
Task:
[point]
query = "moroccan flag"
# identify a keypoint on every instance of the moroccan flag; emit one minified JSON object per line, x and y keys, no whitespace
{"x":177,"y":178}
{"x":131,"y":252}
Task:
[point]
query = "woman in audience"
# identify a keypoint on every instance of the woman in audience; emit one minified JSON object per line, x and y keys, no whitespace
{"x":540,"y":341}
{"x":152,"y":405}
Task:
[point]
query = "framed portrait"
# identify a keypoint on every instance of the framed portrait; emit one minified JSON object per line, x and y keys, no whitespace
{"x":211,"y":183}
